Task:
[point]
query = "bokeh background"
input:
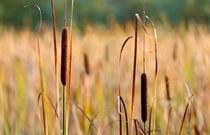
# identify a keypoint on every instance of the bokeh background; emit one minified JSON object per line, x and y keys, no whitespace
{"x":99,"y":29}
{"x":12,"y":12}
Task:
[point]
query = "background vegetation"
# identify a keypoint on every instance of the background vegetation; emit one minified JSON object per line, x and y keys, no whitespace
{"x":98,"y":11}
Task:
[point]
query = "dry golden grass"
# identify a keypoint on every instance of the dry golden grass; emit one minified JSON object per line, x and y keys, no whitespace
{"x":96,"y":93}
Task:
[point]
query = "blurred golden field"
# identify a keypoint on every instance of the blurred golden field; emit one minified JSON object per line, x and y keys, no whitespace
{"x":183,"y":56}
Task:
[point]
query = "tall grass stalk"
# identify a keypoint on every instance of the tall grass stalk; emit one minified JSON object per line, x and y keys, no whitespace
{"x":134,"y":74}
{"x":69,"y":69}
{"x":156,"y":72}
{"x":56,"y":63}
{"x":121,"y":50}
{"x":44,"y":109}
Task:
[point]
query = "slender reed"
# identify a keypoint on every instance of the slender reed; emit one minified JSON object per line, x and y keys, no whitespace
{"x":69,"y":68}
{"x":121,"y":50}
{"x":144,"y":50}
{"x":134,"y":74}
{"x":56,"y":61}
{"x":86,"y":64}
{"x":156,"y":71}
{"x":167,"y":88}
{"x":44,"y":108}
{"x":120,"y":100}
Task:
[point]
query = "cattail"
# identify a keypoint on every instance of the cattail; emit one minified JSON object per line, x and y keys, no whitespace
{"x":175,"y":52}
{"x":64,"y":48}
{"x":107,"y":54}
{"x":86,"y":64}
{"x":167,"y":88}
{"x":144,"y":97}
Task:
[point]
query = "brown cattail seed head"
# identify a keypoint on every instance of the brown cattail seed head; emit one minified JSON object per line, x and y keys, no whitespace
{"x":167,"y":88}
{"x":86,"y":64}
{"x":64,"y":52}
{"x":144,"y":97}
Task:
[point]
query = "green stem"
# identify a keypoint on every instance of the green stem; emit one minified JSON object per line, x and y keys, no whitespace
{"x":145,"y":127}
{"x":64,"y":111}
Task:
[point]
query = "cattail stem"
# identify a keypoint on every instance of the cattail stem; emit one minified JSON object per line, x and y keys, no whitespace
{"x":56,"y":63}
{"x":134,"y":74}
{"x":64,"y":110}
{"x":144,"y":50}
{"x":145,"y":127}
{"x":65,"y":18}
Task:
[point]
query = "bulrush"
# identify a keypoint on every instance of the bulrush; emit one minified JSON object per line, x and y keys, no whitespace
{"x":64,"y":48}
{"x":86,"y":64}
{"x":167,"y":88}
{"x":144,"y":97}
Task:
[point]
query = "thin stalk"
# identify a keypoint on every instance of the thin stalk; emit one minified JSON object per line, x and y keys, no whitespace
{"x":64,"y":111}
{"x":65,"y":19}
{"x":134,"y":76}
{"x":44,"y":109}
{"x":69,"y":69}
{"x":154,"y":112}
{"x":56,"y":62}
{"x":145,"y":127}
{"x":120,"y":115}
{"x":144,"y":50}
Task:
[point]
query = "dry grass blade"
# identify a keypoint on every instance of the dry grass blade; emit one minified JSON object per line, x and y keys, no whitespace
{"x":44,"y":109}
{"x":139,"y":127}
{"x":184,"y":116}
{"x":150,"y":119}
{"x":55,"y":57}
{"x":140,"y":21}
{"x":134,"y":75}
{"x":79,"y":132}
{"x":120,"y":100}
{"x":156,"y":70}
{"x":121,"y":50}
{"x":136,"y":127}
{"x":69,"y":69}
{"x":120,"y":115}
{"x":50,"y":101}
{"x":89,"y":119}
{"x":168,"y":125}
{"x":155,"y":35}
{"x":183,"y":119}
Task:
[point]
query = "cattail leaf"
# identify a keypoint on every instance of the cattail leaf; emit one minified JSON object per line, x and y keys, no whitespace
{"x":120,"y":100}
{"x":134,"y":74}
{"x":69,"y":68}
{"x":55,"y":60}
{"x":122,"y":47}
{"x":141,"y":23}
{"x":139,"y":127}
{"x":183,"y":119}
{"x":44,"y":109}
{"x":89,"y":119}
{"x":156,"y":55}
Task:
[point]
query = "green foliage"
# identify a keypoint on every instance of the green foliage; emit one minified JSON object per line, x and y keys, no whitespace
{"x":97,"y":11}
